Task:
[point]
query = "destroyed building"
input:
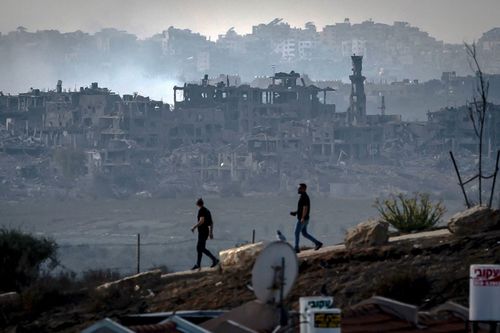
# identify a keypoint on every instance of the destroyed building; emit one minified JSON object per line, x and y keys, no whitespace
{"x":357,"y":134}
{"x":274,"y":121}
{"x":220,"y":131}
{"x":92,"y":118}
{"x":246,"y":108}
{"x":452,"y":130}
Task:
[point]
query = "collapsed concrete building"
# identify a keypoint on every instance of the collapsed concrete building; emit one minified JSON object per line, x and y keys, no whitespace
{"x":246,"y":108}
{"x":289,"y":129}
{"x":92,"y":118}
{"x":273,"y":122}
{"x":451,"y":130}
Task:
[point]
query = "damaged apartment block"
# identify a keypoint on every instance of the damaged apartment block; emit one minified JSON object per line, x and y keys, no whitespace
{"x":221,"y":130}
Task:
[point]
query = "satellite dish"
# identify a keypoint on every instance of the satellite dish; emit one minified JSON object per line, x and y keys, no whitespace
{"x":274,"y":272}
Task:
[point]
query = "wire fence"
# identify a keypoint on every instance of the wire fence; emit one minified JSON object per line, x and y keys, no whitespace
{"x":133,"y":253}
{"x":147,"y":244}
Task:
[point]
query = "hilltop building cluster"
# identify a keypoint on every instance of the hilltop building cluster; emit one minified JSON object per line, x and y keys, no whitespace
{"x":391,"y":53}
{"x":325,"y":52}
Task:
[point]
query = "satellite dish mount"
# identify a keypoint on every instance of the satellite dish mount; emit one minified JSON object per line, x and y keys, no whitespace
{"x":273,"y":275}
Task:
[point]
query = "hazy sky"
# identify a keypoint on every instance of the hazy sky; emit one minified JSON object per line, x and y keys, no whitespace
{"x":448,"y":20}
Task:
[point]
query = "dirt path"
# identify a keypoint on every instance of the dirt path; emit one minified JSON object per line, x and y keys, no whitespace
{"x":311,"y":253}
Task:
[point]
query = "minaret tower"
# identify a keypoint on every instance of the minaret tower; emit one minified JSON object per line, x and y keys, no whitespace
{"x":356,"y":114}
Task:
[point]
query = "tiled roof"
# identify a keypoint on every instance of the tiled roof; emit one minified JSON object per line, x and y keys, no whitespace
{"x":374,"y":318}
{"x":449,"y":317}
{"x":167,"y":327}
{"x":379,"y":314}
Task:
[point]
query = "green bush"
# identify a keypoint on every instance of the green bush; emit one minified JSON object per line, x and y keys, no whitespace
{"x":21,"y":258}
{"x":409,"y":214}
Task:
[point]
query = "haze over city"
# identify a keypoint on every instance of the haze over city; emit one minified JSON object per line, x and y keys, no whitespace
{"x":249,"y":166}
{"x":444,"y":19}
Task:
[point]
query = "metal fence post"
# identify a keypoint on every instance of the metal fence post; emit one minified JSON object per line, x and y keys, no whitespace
{"x":138,"y":258}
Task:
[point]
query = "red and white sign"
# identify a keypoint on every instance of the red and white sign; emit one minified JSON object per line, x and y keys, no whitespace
{"x":486,"y":276}
{"x":484,"y":293}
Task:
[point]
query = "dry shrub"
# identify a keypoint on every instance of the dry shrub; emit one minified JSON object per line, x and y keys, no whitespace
{"x":409,"y":214}
{"x":95,"y":277}
{"x":112,"y":298}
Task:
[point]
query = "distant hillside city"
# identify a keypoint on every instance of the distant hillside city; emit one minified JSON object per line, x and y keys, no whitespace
{"x":231,"y":128}
{"x":391,"y":53}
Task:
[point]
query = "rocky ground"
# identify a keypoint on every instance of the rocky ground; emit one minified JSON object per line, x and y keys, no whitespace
{"x":422,"y":271}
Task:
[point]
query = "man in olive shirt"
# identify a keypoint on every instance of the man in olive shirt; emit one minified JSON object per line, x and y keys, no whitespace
{"x":205,"y":230}
{"x":303,"y":214}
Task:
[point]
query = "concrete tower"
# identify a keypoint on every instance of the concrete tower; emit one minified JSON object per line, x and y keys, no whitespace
{"x":356,"y":114}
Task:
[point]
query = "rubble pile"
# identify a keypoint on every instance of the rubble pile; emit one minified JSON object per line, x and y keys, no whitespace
{"x":23,"y":176}
{"x":231,"y":140}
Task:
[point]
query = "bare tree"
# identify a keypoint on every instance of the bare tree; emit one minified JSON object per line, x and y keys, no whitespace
{"x":479,"y":107}
{"x":478,"y":113}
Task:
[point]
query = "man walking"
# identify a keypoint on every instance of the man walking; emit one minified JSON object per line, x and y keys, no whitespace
{"x":303,"y":214}
{"x":205,"y":228}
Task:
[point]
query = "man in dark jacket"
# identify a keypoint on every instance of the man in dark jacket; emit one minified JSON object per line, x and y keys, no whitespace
{"x":303,"y":213}
{"x":205,"y":228}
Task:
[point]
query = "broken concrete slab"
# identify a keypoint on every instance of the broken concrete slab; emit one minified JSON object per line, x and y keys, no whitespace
{"x":240,"y":256}
{"x":140,"y":279}
{"x":10,"y":298}
{"x":369,"y":233}
{"x":474,"y":220}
